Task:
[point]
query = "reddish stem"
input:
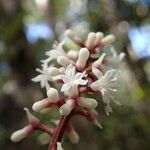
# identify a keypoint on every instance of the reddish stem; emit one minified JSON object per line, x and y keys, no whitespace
{"x":44,"y":128}
{"x":88,"y":115}
{"x":93,"y":48}
{"x":89,"y":90}
{"x":78,"y":41}
{"x":58,"y":132}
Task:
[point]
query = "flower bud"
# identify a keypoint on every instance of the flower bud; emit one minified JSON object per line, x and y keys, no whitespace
{"x":97,"y":72}
{"x":53,"y":71}
{"x":61,"y":70}
{"x":21,"y":134}
{"x":73,"y":136}
{"x":90,"y":39}
{"x":73,"y":54}
{"x":98,"y":62}
{"x":89,"y":103}
{"x":59,"y":147}
{"x":31,"y":118}
{"x":70,"y":34}
{"x":108,"y":39}
{"x":53,"y":95}
{"x":40,"y":105}
{"x":67,"y":108}
{"x":99,"y":36}
{"x":97,"y":124}
{"x":64,"y":61}
{"x":82,"y":58}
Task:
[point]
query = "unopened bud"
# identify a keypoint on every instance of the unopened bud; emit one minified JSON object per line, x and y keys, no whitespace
{"x":32,"y":119}
{"x":82,"y":58}
{"x":97,"y":72}
{"x":99,"y":36}
{"x":40,"y":105}
{"x":73,"y":54}
{"x":53,"y":95}
{"x":97,"y":124}
{"x":61,"y":70}
{"x":64,"y":61}
{"x":17,"y":136}
{"x":73,"y":136}
{"x":89,"y":103}
{"x":70,"y":34}
{"x":53,"y":71}
{"x":108,"y":39}
{"x":98,"y":62}
{"x":67,"y":108}
{"x":90,"y":39}
{"x":59,"y":147}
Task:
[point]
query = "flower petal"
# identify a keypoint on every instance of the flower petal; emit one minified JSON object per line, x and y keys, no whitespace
{"x":37,"y":78}
{"x":95,"y":85}
{"x":97,"y":72}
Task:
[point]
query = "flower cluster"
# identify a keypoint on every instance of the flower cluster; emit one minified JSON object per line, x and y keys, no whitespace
{"x":87,"y":70}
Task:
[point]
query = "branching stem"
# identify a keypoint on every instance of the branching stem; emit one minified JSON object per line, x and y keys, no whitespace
{"x":58,"y":132}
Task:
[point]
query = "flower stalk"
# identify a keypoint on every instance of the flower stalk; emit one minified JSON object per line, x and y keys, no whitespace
{"x":77,"y":73}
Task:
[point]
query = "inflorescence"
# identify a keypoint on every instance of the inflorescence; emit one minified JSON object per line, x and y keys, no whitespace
{"x":87,"y":70}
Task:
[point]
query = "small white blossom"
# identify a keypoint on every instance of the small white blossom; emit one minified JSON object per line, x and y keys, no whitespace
{"x":115,"y":59}
{"x":106,"y":83}
{"x":71,"y":80}
{"x":44,"y":77}
{"x":55,"y":52}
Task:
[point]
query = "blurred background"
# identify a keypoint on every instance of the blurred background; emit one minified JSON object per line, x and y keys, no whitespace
{"x":29,"y":27}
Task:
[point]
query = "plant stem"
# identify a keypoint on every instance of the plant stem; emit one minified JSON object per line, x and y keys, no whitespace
{"x":45,"y":129}
{"x":58,"y":132}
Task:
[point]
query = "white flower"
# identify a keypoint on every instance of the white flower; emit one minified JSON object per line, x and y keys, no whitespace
{"x":115,"y":59}
{"x":71,"y":80}
{"x":56,"y":51}
{"x":106,"y":83}
{"x":59,"y":147}
{"x":44,"y":77}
